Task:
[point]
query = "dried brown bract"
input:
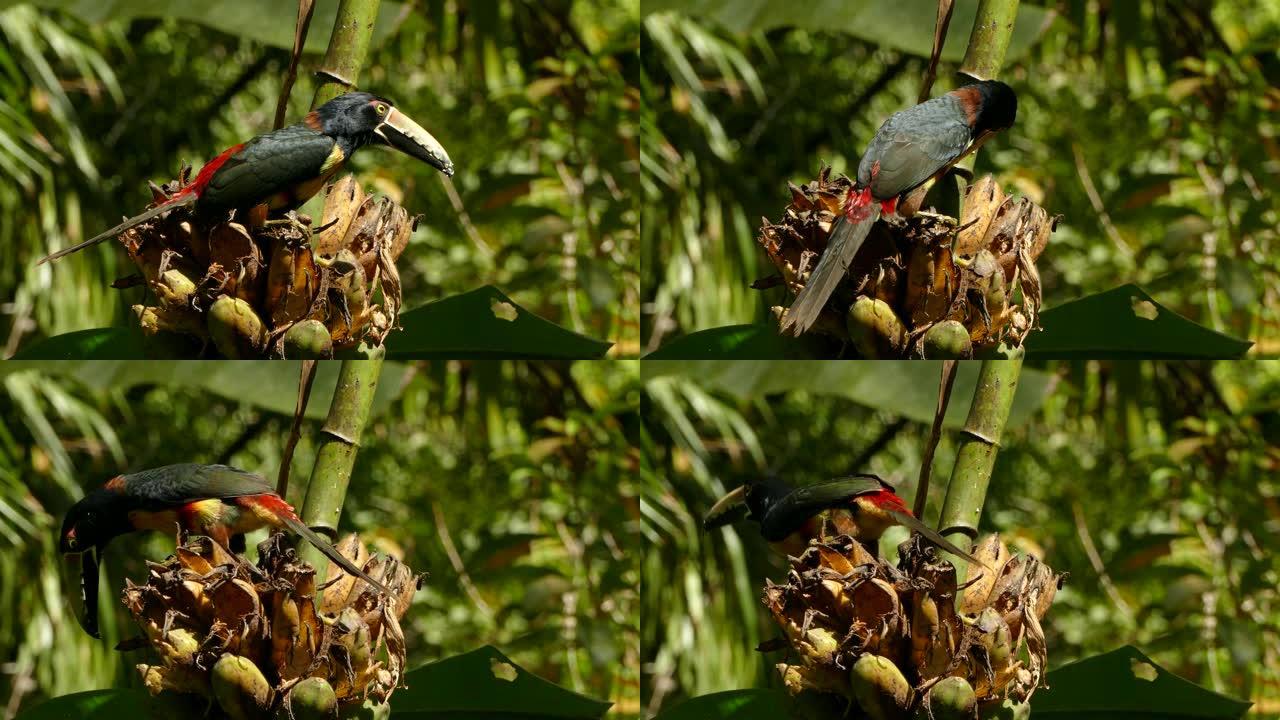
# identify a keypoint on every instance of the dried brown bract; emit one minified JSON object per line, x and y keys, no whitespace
{"x":924,"y":286}
{"x":246,"y":286}
{"x":898,"y":639}
{"x":258,"y":638}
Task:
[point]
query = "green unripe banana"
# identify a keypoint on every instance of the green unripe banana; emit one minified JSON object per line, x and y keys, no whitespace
{"x":948,"y":340}
{"x":312,"y":699}
{"x":241,"y":690}
{"x":875,"y":329}
{"x":951,"y":699}
{"x":879,"y":687}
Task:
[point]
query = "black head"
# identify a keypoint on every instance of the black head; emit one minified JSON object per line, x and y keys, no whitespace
{"x":751,"y":500}
{"x":997,"y":107}
{"x":360,"y":118}
{"x":98,"y":517}
{"x":763,"y":494}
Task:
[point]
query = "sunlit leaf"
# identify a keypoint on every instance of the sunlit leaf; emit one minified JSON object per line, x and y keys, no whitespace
{"x":97,"y":344}
{"x":906,"y":389}
{"x":272,"y":386}
{"x":1125,"y":683}
{"x":741,"y":342}
{"x":485,"y":323}
{"x":1126,"y":322}
{"x":270,"y":23}
{"x":891,"y":23}
{"x":734,"y":704}
{"x":484,"y":684}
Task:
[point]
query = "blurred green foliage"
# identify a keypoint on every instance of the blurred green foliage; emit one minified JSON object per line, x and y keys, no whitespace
{"x":1152,"y":484}
{"x":535,"y":102}
{"x":1149,"y":125}
{"x":510,"y":483}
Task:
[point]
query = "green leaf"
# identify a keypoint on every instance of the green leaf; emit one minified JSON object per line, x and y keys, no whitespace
{"x":906,"y":25}
{"x":96,"y":344}
{"x":1126,"y":322}
{"x":270,"y":23}
{"x":482,"y":323}
{"x":736,"y":704}
{"x":742,"y":342}
{"x":909,"y":389}
{"x":485,"y":323}
{"x":99,"y":705}
{"x":272,"y":386}
{"x":485,"y":685}
{"x":1125,"y":683}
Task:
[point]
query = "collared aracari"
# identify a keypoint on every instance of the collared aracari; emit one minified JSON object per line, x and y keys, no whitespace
{"x":861,"y":506}
{"x":213,"y":500}
{"x":285,"y":168}
{"x":911,"y":148}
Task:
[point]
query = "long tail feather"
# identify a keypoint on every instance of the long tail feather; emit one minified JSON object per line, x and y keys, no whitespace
{"x":846,"y":238}
{"x":297,"y":526}
{"x":933,"y":536}
{"x":134,"y":221}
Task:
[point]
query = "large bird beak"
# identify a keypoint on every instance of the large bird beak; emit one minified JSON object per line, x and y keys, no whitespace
{"x":913,"y":523}
{"x":410,"y":138}
{"x":89,"y":591}
{"x":728,"y":509}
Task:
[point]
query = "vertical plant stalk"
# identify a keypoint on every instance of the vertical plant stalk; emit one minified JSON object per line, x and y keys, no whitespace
{"x":339,"y":442}
{"x":946,"y":381}
{"x":989,"y":39}
{"x":967,"y":491}
{"x":348,"y":46}
{"x":940,"y":26}
{"x":988,"y":43}
{"x":305,"y":9}
{"x":306,"y":377}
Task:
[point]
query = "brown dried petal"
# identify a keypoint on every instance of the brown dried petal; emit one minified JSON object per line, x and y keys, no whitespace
{"x":342,"y":201}
{"x":340,"y":584}
{"x":981,"y":203}
{"x":232,"y":248}
{"x":292,"y":281}
{"x":982,"y":581}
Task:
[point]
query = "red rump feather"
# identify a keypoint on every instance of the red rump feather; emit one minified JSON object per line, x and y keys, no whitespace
{"x":272,"y":503}
{"x":889,"y":500}
{"x":206,"y":173}
{"x":857,"y":205}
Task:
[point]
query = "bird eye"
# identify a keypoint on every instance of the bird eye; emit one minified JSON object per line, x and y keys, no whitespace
{"x":382,"y":109}
{"x":71,"y":542}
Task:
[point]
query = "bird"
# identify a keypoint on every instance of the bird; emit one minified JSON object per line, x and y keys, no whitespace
{"x":862,"y":506}
{"x":218,"y":501}
{"x":911,"y":148}
{"x":285,"y":168}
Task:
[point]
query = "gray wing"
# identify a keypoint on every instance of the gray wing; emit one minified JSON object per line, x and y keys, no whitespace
{"x":913,"y":145}
{"x":267,"y":165}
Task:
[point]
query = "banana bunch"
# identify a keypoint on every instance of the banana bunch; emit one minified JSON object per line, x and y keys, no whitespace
{"x":926,"y":286}
{"x":277,"y":290}
{"x":263,"y":641}
{"x":908,"y":641}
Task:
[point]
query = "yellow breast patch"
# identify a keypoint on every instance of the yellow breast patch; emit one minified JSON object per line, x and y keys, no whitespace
{"x":334,"y":161}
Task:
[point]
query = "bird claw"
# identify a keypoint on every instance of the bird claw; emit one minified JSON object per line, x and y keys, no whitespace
{"x":301,"y":223}
{"x":938,"y":217}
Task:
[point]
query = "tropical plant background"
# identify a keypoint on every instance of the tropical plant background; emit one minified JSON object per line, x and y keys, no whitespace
{"x":535,"y":102}
{"x":1149,"y":125}
{"x":1152,"y":484}
{"x":510,"y":483}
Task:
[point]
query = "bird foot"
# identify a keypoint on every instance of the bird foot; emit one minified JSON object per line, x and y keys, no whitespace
{"x":301,"y":223}
{"x":937,"y":216}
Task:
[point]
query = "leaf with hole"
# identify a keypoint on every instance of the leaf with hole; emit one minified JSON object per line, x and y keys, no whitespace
{"x":1126,"y":322}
